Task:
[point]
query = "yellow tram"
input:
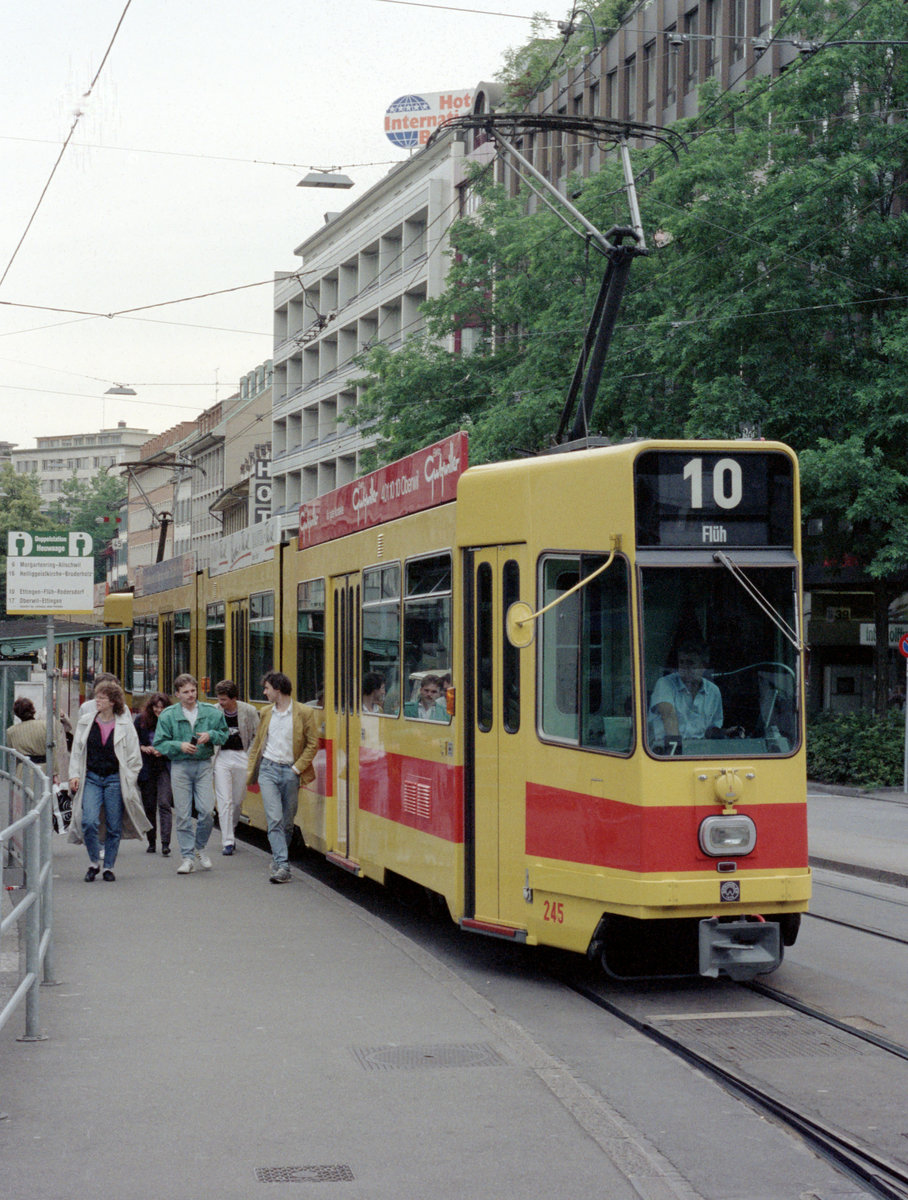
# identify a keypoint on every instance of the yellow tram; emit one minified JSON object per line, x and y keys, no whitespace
{"x":574,"y":787}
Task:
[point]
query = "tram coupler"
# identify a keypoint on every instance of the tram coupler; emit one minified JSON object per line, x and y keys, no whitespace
{"x":739,"y":949}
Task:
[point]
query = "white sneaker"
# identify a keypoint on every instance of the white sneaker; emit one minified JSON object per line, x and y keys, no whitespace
{"x":186,"y":867}
{"x":203,"y":860}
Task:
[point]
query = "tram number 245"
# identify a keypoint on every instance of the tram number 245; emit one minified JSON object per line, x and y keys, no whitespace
{"x":553,"y":910}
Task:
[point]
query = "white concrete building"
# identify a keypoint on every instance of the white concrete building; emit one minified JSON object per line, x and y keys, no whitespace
{"x":55,"y":460}
{"x":361,"y":280}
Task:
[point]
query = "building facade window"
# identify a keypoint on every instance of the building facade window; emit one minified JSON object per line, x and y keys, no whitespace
{"x":670,"y":96}
{"x":630,"y":88}
{"x":691,"y":50}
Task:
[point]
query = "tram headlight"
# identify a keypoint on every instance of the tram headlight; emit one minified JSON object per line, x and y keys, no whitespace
{"x":728,"y":836}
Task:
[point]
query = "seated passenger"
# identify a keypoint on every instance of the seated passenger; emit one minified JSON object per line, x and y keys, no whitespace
{"x":373,"y":693}
{"x":684,"y":703}
{"x":429,"y":706}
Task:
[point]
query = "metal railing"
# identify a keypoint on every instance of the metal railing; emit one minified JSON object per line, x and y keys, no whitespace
{"x":26,"y":879}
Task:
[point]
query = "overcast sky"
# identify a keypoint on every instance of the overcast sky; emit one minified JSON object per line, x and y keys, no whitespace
{"x":180,"y":179}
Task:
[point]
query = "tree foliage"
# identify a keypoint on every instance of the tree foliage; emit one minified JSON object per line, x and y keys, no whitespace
{"x":92,"y":505}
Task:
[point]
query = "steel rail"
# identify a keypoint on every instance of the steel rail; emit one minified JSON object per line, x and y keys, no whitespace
{"x":885,"y":1179}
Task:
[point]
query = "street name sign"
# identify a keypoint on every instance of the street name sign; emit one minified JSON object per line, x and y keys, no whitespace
{"x":49,"y":572}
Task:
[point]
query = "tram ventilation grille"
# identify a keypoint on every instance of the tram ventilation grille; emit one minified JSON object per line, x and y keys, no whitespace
{"x":413,"y":1058}
{"x":769,"y":1037}
{"x":335,"y":1173}
{"x":417,"y":799}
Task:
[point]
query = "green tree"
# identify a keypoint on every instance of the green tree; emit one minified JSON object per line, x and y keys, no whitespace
{"x":20,"y":508}
{"x":772,"y":295}
{"x":92,"y":505}
{"x":859,"y":505}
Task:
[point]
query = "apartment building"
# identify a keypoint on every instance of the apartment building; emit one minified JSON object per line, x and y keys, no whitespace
{"x":361,"y":280}
{"x":56,"y":460}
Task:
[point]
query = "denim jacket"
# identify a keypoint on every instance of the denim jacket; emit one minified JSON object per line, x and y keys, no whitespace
{"x":173,"y":729}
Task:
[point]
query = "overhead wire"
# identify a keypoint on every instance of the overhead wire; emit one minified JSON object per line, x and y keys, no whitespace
{"x":63,"y":148}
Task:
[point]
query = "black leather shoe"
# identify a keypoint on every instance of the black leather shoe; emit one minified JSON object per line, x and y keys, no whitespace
{"x":109,"y":877}
{"x":91,"y":874}
{"x":149,"y":849}
{"x":165,"y":851}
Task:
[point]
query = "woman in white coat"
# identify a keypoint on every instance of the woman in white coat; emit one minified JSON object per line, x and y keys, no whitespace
{"x":104,"y":765}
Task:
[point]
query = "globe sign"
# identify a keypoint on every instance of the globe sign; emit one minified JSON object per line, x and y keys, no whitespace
{"x":405,"y":138}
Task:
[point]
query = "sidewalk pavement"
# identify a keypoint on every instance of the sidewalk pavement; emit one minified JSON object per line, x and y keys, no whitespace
{"x":211,"y":1032}
{"x":859,"y":832}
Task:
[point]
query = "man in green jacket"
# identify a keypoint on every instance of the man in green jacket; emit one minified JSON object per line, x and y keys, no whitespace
{"x":187,"y":733}
{"x":280,"y":761}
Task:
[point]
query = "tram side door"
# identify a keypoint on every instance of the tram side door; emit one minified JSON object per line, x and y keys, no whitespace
{"x":496,"y":747}
{"x":236,"y":655}
{"x":344,"y":606}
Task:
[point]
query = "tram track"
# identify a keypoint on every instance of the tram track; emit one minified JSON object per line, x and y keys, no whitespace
{"x":863,"y":1035}
{"x":881,"y":1176}
{"x":889,"y":937}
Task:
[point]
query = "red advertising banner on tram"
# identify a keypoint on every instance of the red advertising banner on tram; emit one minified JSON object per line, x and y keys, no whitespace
{"x":411,"y":484}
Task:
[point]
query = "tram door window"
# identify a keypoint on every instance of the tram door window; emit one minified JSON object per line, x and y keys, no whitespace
{"x":584,"y":660}
{"x":215,"y":659}
{"x":166,"y":674}
{"x":310,"y":642}
{"x":237,"y":650}
{"x":261,"y":639}
{"x":381,"y":632}
{"x":495,"y":748}
{"x":346,"y":687}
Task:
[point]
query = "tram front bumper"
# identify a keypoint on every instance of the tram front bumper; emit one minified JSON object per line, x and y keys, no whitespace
{"x":739,"y":949}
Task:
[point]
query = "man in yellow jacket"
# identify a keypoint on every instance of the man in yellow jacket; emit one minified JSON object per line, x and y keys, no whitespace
{"x":280,"y":762}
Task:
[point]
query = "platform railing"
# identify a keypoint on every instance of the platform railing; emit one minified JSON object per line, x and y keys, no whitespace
{"x":26,"y":880}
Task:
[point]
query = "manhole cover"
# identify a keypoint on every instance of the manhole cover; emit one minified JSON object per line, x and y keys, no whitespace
{"x":334,"y":1173}
{"x":411,"y":1058}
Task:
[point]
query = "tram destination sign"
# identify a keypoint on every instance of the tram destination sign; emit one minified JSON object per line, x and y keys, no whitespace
{"x":714,"y":499}
{"x":419,"y":481}
{"x":49,"y":572}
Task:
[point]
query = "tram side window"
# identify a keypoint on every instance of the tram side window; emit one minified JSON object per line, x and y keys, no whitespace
{"x":214,"y":642}
{"x":145,"y":655}
{"x":181,"y":662}
{"x":427,"y":637}
{"x":261,"y":638}
{"x":585,"y":676}
{"x":310,"y":642}
{"x":381,"y":631}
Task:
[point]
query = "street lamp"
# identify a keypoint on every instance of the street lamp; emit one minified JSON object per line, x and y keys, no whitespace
{"x":326,"y":179}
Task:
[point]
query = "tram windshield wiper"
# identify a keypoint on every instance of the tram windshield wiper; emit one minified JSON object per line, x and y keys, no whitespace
{"x":761,"y":601}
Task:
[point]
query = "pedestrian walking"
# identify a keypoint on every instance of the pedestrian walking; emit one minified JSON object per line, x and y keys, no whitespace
{"x":187,"y":733}
{"x":154,"y":777}
{"x":103,"y":769}
{"x":231,"y":761}
{"x":280,"y":761}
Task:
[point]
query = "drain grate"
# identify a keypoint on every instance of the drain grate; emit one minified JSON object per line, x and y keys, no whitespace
{"x":334,"y":1173}
{"x":412,"y":1058}
{"x":770,"y":1037}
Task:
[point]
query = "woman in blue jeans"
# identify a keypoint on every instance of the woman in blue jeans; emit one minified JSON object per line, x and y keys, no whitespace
{"x":103,"y":768}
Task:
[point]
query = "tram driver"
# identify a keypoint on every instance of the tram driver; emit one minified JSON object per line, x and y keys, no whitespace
{"x":685,"y":704}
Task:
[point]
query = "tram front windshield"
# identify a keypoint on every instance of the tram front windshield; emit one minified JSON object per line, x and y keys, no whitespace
{"x":720,"y":666}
